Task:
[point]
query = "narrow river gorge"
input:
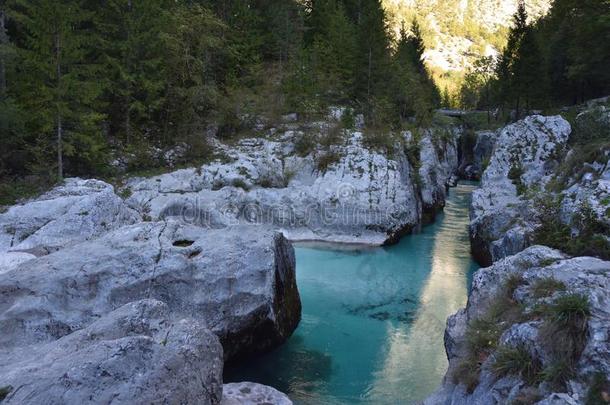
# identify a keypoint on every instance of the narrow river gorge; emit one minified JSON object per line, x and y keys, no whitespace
{"x":373,"y":320}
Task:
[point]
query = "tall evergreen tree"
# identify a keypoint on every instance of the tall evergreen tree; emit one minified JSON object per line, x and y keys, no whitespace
{"x":505,"y":67}
{"x":60,"y":88}
{"x":415,"y":92}
{"x":372,"y":60}
{"x":333,"y":50}
{"x":132,"y":55}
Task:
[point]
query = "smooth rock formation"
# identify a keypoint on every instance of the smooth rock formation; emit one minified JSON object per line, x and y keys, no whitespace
{"x":75,"y":211}
{"x":248,"y":393}
{"x":439,"y":162}
{"x":238,"y":282}
{"x":524,"y":158}
{"x":475,"y":158}
{"x":139,"y":353}
{"x":362,"y":196}
{"x":587,"y":276}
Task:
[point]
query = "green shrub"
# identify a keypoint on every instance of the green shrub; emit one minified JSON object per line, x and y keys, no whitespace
{"x":558,"y":373}
{"x":4,"y":391}
{"x":482,"y":334}
{"x":327,"y":159}
{"x":240,"y":183}
{"x":15,"y":190}
{"x":564,"y":331}
{"x":516,"y":361}
{"x":333,"y":136}
{"x":514,"y":174}
{"x":467,"y":373}
{"x":380,"y":139}
{"x":305,"y":144}
{"x":348,"y":119}
{"x":590,"y":241}
{"x":599,"y":390}
{"x":545,"y":287}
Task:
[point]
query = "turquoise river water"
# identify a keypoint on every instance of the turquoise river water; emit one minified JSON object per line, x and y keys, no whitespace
{"x":373,"y":319}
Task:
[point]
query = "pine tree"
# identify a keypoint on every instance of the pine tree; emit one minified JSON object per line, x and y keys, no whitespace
{"x":192,"y":42}
{"x":60,"y":89}
{"x":373,"y":61}
{"x":415,"y":93}
{"x":333,"y":50}
{"x":132,"y":55}
{"x":505,"y":67}
{"x":528,"y":73}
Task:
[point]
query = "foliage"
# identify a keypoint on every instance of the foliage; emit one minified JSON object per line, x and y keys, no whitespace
{"x":599,"y":390}
{"x":327,"y":159}
{"x":545,"y":287}
{"x":482,"y":334}
{"x":4,"y":391}
{"x":561,"y":58}
{"x":589,"y":240}
{"x":516,"y":361}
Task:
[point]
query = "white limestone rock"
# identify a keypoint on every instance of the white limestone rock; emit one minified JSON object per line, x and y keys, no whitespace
{"x":138,"y":353}
{"x":247,"y":393}
{"x":582,"y":275}
{"x":238,"y":282}
{"x":75,"y":211}
{"x":363,"y":197}
{"x":528,"y":151}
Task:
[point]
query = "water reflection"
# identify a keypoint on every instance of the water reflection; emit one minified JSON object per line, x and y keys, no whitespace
{"x":373,"y":321}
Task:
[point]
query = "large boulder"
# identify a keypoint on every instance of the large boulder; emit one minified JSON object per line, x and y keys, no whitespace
{"x":358,"y":195}
{"x":476,"y":150}
{"x":75,"y":211}
{"x":239,"y":282}
{"x":439,"y":161}
{"x":585,"y":276}
{"x":524,"y":158}
{"x":247,"y":393}
{"x":139,"y":353}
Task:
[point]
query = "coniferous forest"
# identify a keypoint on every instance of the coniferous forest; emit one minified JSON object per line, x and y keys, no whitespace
{"x":561,"y":59}
{"x":82,"y":79}
{"x":82,"y":82}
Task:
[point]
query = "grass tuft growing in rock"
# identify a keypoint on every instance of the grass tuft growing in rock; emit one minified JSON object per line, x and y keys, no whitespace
{"x":558,"y":373}
{"x":563,"y":335}
{"x":4,"y":391}
{"x":482,"y":334}
{"x":325,"y":160}
{"x":516,"y":361}
{"x":599,"y":390}
{"x":546,"y":287}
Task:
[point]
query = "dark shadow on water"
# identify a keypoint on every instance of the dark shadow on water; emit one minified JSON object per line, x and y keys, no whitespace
{"x":292,"y":368}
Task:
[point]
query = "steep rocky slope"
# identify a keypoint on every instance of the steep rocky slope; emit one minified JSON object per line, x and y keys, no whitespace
{"x":525,"y":156}
{"x":362,"y":196}
{"x":143,"y":300}
{"x":535,"y":329}
{"x":456,"y":32}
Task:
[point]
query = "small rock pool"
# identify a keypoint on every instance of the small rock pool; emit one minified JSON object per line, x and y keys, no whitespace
{"x":373,"y":319}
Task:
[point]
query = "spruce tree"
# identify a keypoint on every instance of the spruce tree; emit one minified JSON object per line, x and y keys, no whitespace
{"x":60,"y":89}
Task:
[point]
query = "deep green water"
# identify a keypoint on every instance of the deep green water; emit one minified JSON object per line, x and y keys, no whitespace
{"x":373,"y":320}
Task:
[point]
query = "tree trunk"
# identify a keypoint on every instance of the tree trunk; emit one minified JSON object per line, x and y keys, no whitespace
{"x":488,"y":103}
{"x":368,"y":85}
{"x":3,"y":42}
{"x":60,"y":163}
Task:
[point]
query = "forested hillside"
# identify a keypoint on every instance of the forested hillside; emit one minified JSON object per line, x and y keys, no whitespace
{"x":457,"y":33}
{"x":561,"y":59}
{"x":83,"y":82}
